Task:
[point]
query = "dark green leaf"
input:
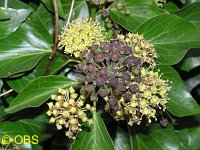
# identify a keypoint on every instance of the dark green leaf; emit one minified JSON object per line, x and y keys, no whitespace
{"x":16,"y":4}
{"x":122,"y":141}
{"x":155,"y":138}
{"x":22,"y":50}
{"x":38,"y":126}
{"x":171,"y":7}
{"x":191,"y":83}
{"x":96,"y":138}
{"x":46,"y":18}
{"x":170,"y":36}
{"x":41,"y":89}
{"x":191,"y":13}
{"x":181,"y":102}
{"x":141,"y":10}
{"x":59,"y":62}
{"x":193,"y":140}
{"x":11,"y":25}
{"x":190,"y":63}
{"x":80,"y":9}
{"x":18,"y":84}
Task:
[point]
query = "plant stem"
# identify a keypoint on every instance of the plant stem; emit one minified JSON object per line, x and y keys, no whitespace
{"x":7,"y":92}
{"x":56,"y":28}
{"x":70,"y":13}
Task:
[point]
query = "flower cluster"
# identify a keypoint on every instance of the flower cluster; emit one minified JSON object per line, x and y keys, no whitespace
{"x":69,"y":110}
{"x":80,"y":35}
{"x":116,"y":72}
{"x":142,"y":49}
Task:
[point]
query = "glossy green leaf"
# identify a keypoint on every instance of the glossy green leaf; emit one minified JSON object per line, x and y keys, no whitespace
{"x":38,"y":92}
{"x":47,"y":18}
{"x":11,"y":25}
{"x":95,"y":138}
{"x":155,"y":138}
{"x":190,"y":63}
{"x":170,"y":36}
{"x":59,"y":62}
{"x":191,"y":13}
{"x":193,"y":140}
{"x":22,"y":50}
{"x":80,"y":8}
{"x":38,"y":126}
{"x":16,"y":4}
{"x":4,"y":15}
{"x":141,"y":10}
{"x":122,"y":140}
{"x":191,"y":83}
{"x":171,"y":7}
{"x":181,"y":103}
{"x":18,"y":84}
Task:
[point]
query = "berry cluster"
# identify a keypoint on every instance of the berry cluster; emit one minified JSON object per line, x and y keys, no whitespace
{"x":116,"y":72}
{"x":80,"y":35}
{"x":68,"y":111}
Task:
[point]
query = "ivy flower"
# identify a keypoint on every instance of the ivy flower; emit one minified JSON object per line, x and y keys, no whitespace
{"x":80,"y":35}
{"x":69,"y":110}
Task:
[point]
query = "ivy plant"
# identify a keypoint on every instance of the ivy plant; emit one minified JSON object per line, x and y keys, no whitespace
{"x":99,"y":74}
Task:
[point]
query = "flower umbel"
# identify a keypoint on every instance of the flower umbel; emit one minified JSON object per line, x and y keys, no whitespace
{"x":115,"y":71}
{"x":142,"y":48}
{"x":80,"y":35}
{"x":69,"y":111}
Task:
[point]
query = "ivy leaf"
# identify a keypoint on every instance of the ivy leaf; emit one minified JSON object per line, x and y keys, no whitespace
{"x":18,"y":84}
{"x":141,"y":10}
{"x":191,"y":13}
{"x":38,"y":126}
{"x":41,"y":89}
{"x":59,"y":62}
{"x":172,"y":39}
{"x":4,"y":15}
{"x":11,"y":25}
{"x":80,"y":9}
{"x":46,"y":18}
{"x":191,"y":60}
{"x":95,"y":138}
{"x":191,"y":83}
{"x":23,"y":49}
{"x":181,"y":102}
{"x":122,"y":141}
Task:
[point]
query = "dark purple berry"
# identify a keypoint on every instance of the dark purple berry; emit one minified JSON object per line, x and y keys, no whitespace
{"x":103,"y":93}
{"x":88,"y":87}
{"x":94,"y":48}
{"x":100,"y":81}
{"x":127,"y":97}
{"x":80,"y":67}
{"x":107,"y":47}
{"x":105,"y":13}
{"x":113,"y":81}
{"x":89,"y":57}
{"x":126,"y":77}
{"x":91,"y":68}
{"x":138,"y":79}
{"x":129,"y":61}
{"x":134,"y":88}
{"x":121,"y":87}
{"x":89,"y":78}
{"x":100,"y":57}
{"x":115,"y":56}
{"x":85,"y":53}
{"x":103,"y":72}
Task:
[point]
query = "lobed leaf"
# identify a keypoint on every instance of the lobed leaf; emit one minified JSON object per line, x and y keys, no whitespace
{"x":96,"y":138}
{"x":38,"y":92}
